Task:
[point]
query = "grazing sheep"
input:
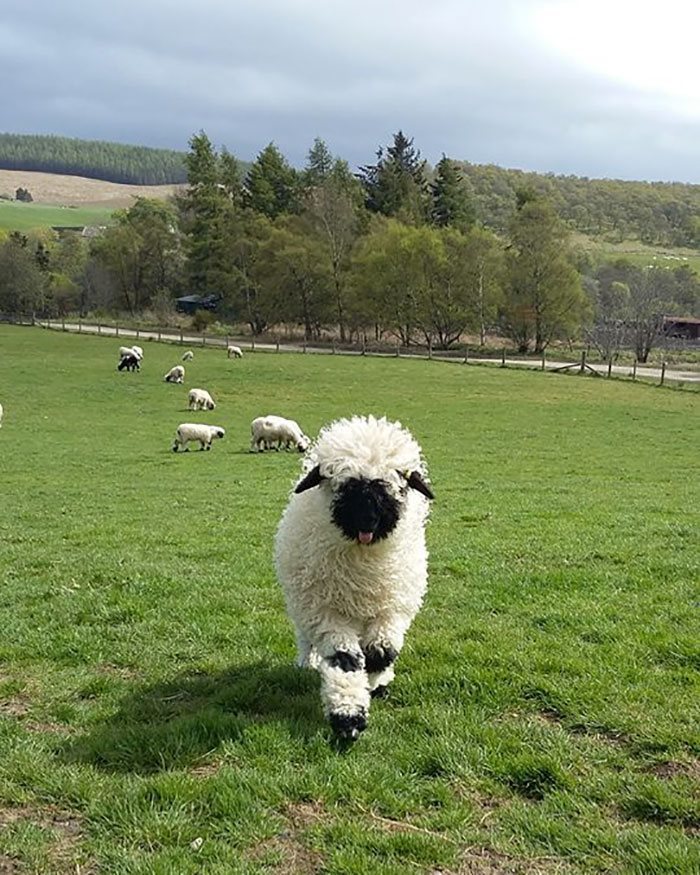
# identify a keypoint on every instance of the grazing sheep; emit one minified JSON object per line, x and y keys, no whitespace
{"x":175,"y":375}
{"x":193,"y":431}
{"x":129,"y":363}
{"x":187,"y":356}
{"x":234,"y":352}
{"x":351,"y":558}
{"x":200,"y":399}
{"x":130,"y":350}
{"x":268,"y":432}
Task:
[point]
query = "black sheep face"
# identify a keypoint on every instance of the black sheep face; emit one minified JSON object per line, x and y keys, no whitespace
{"x":365,"y":510}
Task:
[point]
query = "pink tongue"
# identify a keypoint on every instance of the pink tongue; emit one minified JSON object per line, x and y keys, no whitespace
{"x":365,"y":537}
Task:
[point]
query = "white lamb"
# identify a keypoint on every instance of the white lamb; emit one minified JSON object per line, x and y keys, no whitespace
{"x":271,"y":431}
{"x":187,"y":356}
{"x":196,"y":431}
{"x":351,"y":558}
{"x":200,"y":399}
{"x":175,"y":375}
{"x":234,"y":352}
{"x":125,"y":351}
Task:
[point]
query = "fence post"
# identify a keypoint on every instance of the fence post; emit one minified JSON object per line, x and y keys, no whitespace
{"x":663,"y":372}
{"x":634,"y":370}
{"x":99,"y":328}
{"x":544,"y":360}
{"x":503,"y":357}
{"x":466,"y":355}
{"x":204,"y":338}
{"x":137,"y":332}
{"x":252,"y":343}
{"x":583,"y":361}
{"x":116,"y":328}
{"x":80,"y":324}
{"x":398,"y":349}
{"x":181,"y":336}
{"x":430,"y":348}
{"x":277,"y":349}
{"x":159,"y":335}
{"x":303,"y":347}
{"x":333,"y":346}
{"x":609,"y":366}
{"x":364,"y":346}
{"x":63,"y":323}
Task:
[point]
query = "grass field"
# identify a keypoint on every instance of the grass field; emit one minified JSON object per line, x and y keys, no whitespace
{"x":545,"y":712}
{"x":16,"y":216}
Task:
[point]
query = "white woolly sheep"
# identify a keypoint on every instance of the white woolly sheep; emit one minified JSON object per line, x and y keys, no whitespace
{"x":351,"y":558}
{"x":234,"y":352}
{"x":187,"y":356}
{"x":125,"y":351}
{"x":200,"y":399}
{"x":196,"y":431}
{"x":267,"y":432}
{"x":175,"y":375}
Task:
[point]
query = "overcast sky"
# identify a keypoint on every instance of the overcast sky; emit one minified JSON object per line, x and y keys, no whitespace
{"x":595,"y":88}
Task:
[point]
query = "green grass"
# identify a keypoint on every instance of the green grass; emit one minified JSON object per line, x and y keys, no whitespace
{"x":545,"y":712}
{"x":16,"y":216}
{"x":641,"y":254}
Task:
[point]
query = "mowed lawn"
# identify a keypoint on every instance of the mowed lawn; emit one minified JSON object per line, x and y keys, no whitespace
{"x":545,"y":712}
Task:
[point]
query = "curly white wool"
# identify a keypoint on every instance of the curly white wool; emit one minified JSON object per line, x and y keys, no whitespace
{"x":343,"y":596}
{"x":175,"y":375}
{"x":196,"y":431}
{"x":200,"y":399}
{"x":271,"y":431}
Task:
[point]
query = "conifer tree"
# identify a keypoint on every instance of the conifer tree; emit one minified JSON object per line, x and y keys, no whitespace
{"x":272,"y":185}
{"x":396,"y":185}
{"x":452,"y":206}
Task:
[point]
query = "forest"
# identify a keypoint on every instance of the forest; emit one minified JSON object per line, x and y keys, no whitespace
{"x":397,"y":252}
{"x":114,"y":162}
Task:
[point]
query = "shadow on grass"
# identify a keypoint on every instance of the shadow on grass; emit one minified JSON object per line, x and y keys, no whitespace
{"x":176,"y":723}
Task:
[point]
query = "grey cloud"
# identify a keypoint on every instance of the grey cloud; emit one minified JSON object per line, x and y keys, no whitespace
{"x":462,"y":78}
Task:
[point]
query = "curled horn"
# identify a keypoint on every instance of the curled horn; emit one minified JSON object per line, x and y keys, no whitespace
{"x":313,"y":478}
{"x":416,"y":481}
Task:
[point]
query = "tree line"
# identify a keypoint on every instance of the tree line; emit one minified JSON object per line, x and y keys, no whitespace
{"x":393,"y":252}
{"x":114,"y":162}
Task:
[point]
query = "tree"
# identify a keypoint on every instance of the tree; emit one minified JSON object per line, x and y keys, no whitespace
{"x":543,"y":294}
{"x":650,"y":297}
{"x":452,"y":205}
{"x":333,"y":203}
{"x":396,"y":185}
{"x":272,"y":187}
{"x":609,"y":330}
{"x":22,"y":283}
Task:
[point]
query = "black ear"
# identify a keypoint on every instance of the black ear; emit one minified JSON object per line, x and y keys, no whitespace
{"x":415,"y":481}
{"x":313,"y":478}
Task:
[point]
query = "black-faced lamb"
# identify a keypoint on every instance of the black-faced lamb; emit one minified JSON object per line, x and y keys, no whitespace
{"x":351,"y":557}
{"x":175,"y":375}
{"x":187,"y":356}
{"x":129,"y":363}
{"x":200,"y":399}
{"x":196,"y":431}
{"x":276,"y":432}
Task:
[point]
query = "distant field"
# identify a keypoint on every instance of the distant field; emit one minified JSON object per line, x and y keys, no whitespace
{"x":16,"y":216}
{"x":55,"y":188}
{"x":544,"y":717}
{"x":639,"y":253}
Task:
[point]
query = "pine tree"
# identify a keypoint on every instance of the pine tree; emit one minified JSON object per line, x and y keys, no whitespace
{"x":319,"y":163}
{"x":272,"y":185}
{"x":452,"y":205}
{"x":396,"y":185}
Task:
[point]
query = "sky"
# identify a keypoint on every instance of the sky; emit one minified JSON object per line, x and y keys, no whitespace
{"x":602,"y":88}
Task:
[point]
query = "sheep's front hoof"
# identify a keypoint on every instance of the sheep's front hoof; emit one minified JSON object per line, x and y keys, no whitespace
{"x":380,"y":692}
{"x":346,"y":661}
{"x":379,"y":656}
{"x":348,"y":727}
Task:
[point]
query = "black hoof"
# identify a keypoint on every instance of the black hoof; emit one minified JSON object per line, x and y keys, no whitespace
{"x":378,"y":657}
{"x":348,"y":726}
{"x":346,"y":661}
{"x":380,"y":692}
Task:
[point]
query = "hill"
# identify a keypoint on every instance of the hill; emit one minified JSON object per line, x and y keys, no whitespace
{"x":95,"y":159}
{"x":66,"y":190}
